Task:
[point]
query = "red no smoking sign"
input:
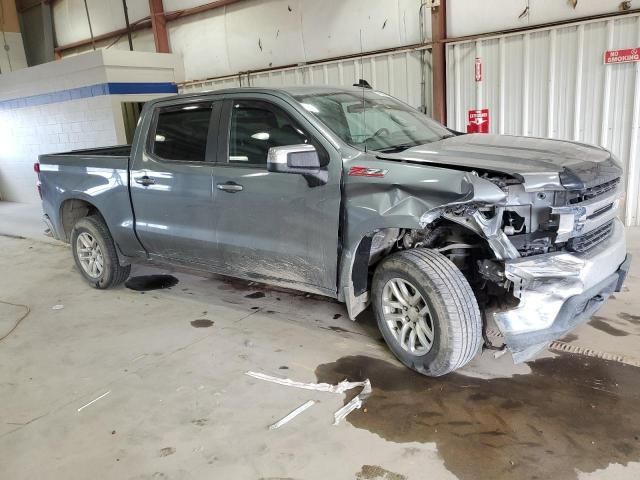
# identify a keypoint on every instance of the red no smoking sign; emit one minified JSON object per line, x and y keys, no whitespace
{"x":625,"y":55}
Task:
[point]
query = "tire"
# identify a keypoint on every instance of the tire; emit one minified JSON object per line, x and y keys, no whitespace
{"x":112,"y":273}
{"x":453,"y":313}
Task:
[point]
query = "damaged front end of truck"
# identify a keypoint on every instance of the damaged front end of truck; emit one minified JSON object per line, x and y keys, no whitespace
{"x":541,"y":251}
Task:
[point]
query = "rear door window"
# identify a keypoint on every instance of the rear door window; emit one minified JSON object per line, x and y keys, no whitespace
{"x":181,"y":132}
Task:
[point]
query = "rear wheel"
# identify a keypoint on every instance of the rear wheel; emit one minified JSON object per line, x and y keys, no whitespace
{"x":426,"y":311}
{"x":94,"y":252}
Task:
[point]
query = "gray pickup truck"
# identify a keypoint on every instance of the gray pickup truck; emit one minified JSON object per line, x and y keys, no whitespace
{"x":352,"y":194}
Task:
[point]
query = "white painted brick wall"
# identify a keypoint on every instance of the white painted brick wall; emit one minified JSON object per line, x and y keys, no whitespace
{"x":92,"y":122}
{"x":57,"y":127}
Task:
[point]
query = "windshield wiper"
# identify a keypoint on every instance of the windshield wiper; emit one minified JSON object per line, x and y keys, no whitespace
{"x":404,"y":146}
{"x":396,"y":148}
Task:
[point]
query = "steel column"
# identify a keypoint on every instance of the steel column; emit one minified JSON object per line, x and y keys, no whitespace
{"x":439,"y":66}
{"x":126,"y":21}
{"x":159,"y":26}
{"x":632,"y":206}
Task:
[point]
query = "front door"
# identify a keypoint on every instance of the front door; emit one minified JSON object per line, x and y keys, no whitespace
{"x":171,"y":182}
{"x":274,"y":227}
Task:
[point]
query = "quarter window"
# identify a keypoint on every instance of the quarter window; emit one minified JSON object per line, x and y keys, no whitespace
{"x":181,"y":132}
{"x":256,"y":127}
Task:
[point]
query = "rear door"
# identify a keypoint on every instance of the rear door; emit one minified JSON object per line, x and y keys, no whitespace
{"x":276,"y":227}
{"x":171,"y":181}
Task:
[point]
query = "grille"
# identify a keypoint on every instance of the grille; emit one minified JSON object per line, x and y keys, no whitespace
{"x":589,"y":240}
{"x":578,"y":196}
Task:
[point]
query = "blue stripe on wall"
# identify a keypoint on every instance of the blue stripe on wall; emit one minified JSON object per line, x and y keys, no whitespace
{"x":125,"y":88}
{"x":111,"y":88}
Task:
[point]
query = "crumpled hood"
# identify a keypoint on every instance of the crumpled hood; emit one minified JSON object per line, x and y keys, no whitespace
{"x":578,"y":164}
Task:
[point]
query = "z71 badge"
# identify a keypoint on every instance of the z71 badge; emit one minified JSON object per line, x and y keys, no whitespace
{"x":367,"y":172}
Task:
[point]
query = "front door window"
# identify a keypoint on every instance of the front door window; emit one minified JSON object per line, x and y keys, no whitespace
{"x":256,"y":127}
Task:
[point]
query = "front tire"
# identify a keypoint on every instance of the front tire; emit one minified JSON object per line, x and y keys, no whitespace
{"x":94,"y":252}
{"x":426,"y":311}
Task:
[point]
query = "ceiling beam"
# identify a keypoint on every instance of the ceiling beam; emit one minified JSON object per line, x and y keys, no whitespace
{"x":141,"y":24}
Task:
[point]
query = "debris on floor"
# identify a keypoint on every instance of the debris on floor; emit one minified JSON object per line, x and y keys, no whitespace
{"x":166,"y":451}
{"x":57,"y":307}
{"x":375,"y":472}
{"x":94,"y":401}
{"x":354,"y":404}
{"x":293,"y":414}
{"x":341,"y":387}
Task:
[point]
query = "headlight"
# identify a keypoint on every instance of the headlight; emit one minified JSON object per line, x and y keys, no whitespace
{"x":616,"y":160}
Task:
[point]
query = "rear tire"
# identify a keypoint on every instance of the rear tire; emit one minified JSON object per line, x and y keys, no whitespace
{"x":94,"y":252}
{"x":426,"y":311}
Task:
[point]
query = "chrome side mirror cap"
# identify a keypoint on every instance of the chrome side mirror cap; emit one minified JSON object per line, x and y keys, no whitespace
{"x":300,"y":159}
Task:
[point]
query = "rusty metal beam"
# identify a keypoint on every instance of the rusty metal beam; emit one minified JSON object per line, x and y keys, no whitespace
{"x":141,"y":24}
{"x":159,"y":26}
{"x":146,"y":22}
{"x":187,"y":12}
{"x":438,"y":61}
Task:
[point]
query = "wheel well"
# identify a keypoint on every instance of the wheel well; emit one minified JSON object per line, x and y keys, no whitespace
{"x":372,"y":247}
{"x":73,"y":210}
{"x":371,"y":251}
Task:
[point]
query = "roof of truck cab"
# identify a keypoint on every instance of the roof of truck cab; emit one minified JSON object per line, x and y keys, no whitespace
{"x":293,"y":90}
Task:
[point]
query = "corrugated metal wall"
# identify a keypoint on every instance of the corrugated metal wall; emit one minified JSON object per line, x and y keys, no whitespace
{"x":397,"y":73}
{"x":553,"y":83}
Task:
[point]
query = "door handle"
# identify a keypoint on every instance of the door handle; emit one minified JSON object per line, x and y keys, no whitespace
{"x":145,"y":180}
{"x":229,"y":187}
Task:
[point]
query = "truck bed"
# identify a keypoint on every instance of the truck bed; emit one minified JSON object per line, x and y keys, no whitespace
{"x":115,"y":151}
{"x":97,"y":178}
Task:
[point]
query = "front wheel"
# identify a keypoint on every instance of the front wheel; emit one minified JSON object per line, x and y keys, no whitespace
{"x":426,"y":311}
{"x":95,"y":253}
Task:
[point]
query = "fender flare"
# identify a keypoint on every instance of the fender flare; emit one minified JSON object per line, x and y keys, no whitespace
{"x":81,"y":197}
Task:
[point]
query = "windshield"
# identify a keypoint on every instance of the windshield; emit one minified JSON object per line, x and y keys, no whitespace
{"x":380,"y":122}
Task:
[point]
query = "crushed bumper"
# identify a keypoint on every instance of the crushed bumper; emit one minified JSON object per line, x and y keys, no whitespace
{"x":558,"y":291}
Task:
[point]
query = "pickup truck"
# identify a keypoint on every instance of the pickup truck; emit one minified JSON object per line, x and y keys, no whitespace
{"x":352,"y":194}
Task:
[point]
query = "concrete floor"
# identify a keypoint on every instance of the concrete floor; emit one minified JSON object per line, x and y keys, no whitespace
{"x":167,"y":369}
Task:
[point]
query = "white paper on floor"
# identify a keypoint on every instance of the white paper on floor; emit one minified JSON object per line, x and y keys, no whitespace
{"x":341,"y":387}
{"x":292,"y":415}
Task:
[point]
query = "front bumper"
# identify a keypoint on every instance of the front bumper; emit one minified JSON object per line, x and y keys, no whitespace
{"x":558,"y":291}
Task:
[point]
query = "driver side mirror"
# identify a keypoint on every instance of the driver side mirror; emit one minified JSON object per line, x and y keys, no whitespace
{"x":300,"y":159}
